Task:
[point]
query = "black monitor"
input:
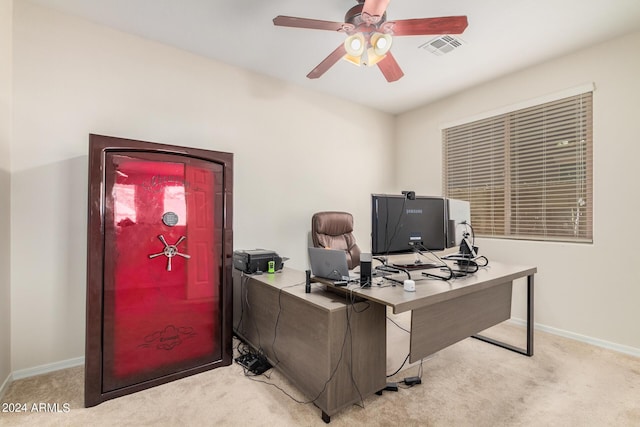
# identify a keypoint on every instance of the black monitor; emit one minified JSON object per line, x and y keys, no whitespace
{"x":400,"y":224}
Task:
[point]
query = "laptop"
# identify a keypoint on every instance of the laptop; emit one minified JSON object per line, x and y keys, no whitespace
{"x":329,"y":264}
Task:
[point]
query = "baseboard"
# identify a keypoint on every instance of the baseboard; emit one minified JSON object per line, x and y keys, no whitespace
{"x":5,"y":385}
{"x":45,"y":369}
{"x":70,"y":363}
{"x":582,"y":338}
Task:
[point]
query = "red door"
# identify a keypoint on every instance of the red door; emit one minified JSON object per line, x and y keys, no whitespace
{"x":163,"y":276}
{"x":161,"y":267}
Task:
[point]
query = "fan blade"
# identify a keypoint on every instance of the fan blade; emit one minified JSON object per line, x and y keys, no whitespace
{"x":390,"y":68}
{"x":375,"y":8}
{"x":314,"y":24}
{"x":328,"y":62}
{"x":427,"y":26}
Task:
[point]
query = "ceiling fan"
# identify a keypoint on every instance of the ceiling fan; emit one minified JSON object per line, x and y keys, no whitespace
{"x":370,"y":35}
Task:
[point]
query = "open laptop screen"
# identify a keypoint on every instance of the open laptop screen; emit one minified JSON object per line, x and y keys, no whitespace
{"x":329,"y":263}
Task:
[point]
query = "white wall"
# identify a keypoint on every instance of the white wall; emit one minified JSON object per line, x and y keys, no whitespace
{"x":294,"y":150}
{"x":71,"y":78}
{"x":6,"y":26}
{"x":591,"y":290}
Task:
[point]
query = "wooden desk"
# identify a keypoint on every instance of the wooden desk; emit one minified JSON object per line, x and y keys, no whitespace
{"x":320,"y":340}
{"x":333,"y":351}
{"x":444,"y":313}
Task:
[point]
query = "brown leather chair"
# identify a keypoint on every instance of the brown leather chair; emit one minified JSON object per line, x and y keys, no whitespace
{"x":334,"y":230}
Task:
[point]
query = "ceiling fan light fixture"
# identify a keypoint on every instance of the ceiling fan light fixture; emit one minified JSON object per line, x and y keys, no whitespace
{"x":373,"y":58}
{"x":381,"y":43}
{"x":354,"y":44}
{"x":355,"y":60}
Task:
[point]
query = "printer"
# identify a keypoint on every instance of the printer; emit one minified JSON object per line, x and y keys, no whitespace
{"x":252,"y":261}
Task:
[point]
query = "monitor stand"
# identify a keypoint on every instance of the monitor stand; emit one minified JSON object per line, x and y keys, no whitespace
{"x":417,"y":264}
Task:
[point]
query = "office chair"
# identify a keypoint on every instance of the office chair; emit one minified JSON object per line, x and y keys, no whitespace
{"x":334,"y":230}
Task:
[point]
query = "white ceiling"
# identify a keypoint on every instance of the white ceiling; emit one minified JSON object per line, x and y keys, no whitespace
{"x":503,"y":36}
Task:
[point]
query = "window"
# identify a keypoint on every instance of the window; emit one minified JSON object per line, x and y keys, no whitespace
{"x":174,"y":201}
{"x":527,"y":173}
{"x":124,"y":199}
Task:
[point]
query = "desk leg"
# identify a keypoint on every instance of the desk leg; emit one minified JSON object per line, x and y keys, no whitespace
{"x":529,"y":350}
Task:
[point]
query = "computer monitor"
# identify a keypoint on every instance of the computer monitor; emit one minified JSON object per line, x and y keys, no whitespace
{"x":400,"y":224}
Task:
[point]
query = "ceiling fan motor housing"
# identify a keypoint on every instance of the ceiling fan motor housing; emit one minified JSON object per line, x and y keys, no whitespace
{"x":355,"y":18}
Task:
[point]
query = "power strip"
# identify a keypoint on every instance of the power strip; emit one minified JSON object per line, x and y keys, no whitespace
{"x":254,"y":363}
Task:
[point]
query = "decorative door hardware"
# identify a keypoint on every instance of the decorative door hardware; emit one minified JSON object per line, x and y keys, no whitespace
{"x":170,"y":250}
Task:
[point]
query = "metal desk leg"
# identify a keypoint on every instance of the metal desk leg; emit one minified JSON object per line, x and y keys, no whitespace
{"x":529,"y":350}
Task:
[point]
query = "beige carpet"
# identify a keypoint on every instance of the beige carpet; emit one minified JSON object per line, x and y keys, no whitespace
{"x":472,"y":383}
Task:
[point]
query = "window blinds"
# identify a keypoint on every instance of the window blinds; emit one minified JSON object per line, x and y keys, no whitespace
{"x":526,"y":173}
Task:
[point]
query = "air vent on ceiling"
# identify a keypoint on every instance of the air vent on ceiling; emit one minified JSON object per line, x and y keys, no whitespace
{"x":441,"y":45}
